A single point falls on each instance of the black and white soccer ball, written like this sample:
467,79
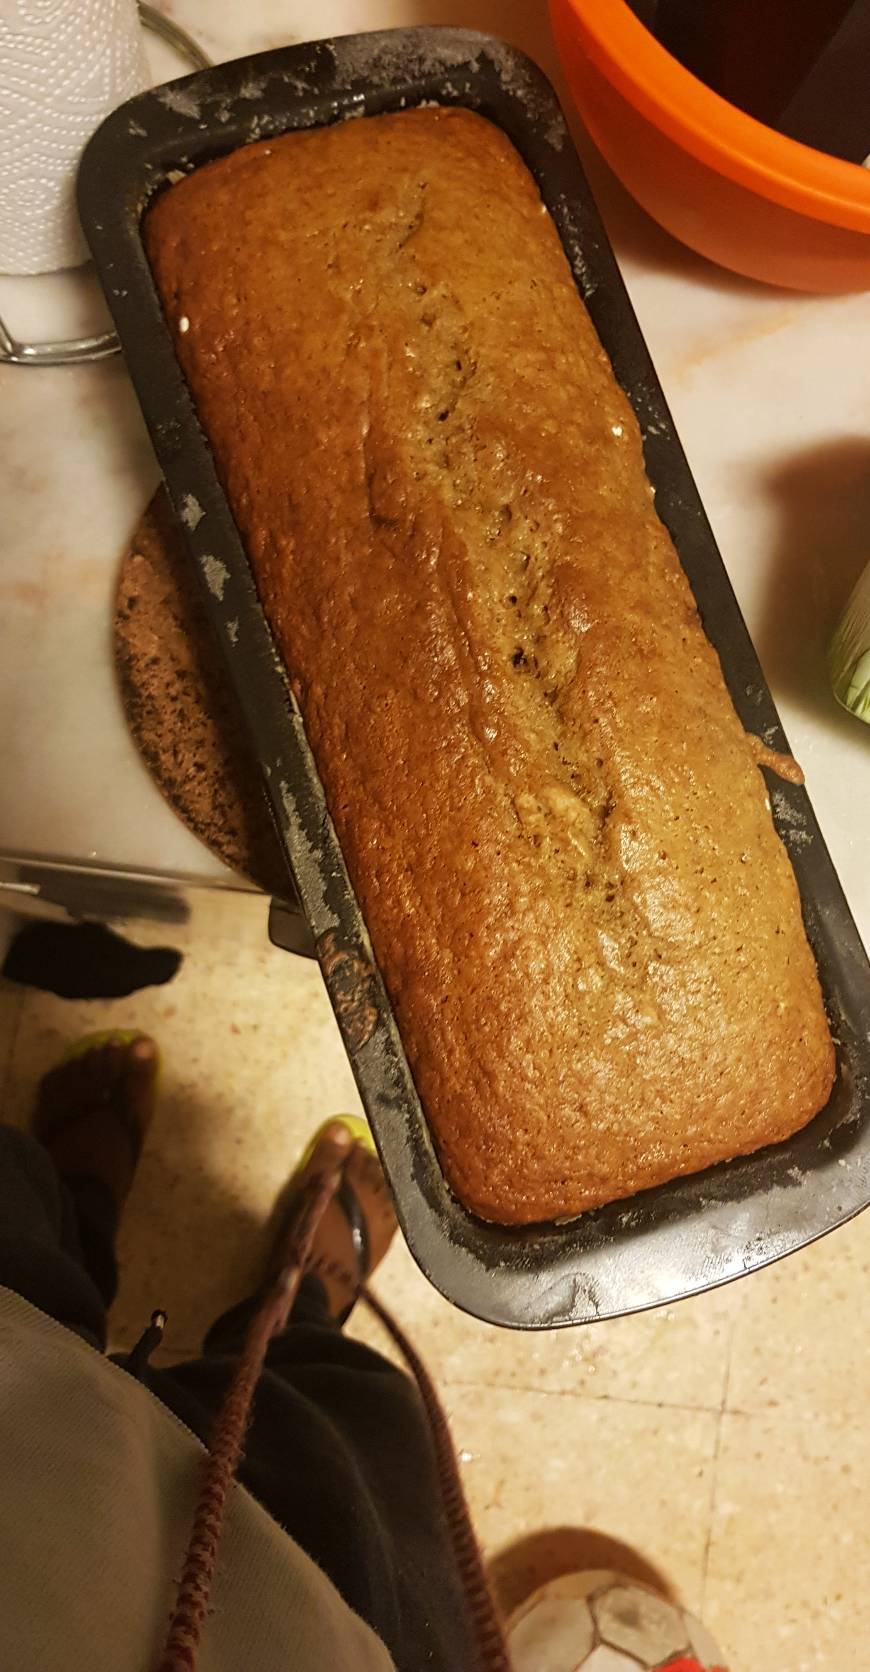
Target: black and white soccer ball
603,1622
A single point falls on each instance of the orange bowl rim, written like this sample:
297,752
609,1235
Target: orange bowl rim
711,129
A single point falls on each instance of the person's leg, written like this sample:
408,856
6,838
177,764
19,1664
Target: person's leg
40,1253
339,1450
61,1189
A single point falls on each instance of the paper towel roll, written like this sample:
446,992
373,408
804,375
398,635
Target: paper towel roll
64,64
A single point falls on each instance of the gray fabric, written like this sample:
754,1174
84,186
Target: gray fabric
338,1450
99,1484
41,1254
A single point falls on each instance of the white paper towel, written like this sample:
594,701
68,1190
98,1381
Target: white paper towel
64,64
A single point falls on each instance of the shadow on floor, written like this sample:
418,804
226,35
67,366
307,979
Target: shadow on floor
188,1243
85,961
822,498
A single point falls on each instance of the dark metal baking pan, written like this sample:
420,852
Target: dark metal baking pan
664,1243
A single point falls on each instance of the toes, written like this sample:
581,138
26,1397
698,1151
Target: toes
101,1075
143,1051
365,1171
331,1149
137,1062
106,1074
103,1070
336,1133
138,1078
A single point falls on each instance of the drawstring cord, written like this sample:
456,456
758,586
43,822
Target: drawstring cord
227,1442
492,1652
222,1460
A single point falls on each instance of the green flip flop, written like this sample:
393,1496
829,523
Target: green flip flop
45,1128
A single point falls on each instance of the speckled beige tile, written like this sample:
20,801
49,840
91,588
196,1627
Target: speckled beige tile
252,1062
537,1464
786,1583
676,1355
799,1335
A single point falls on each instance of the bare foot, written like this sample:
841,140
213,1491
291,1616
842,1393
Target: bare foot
92,1112
334,1259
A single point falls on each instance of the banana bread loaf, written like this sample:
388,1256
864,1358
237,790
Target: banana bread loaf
554,823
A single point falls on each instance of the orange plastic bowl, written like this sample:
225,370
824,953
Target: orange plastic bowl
725,184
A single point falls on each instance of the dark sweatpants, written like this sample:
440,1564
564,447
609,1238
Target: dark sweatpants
338,1450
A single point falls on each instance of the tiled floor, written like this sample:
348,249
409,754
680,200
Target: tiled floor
720,1445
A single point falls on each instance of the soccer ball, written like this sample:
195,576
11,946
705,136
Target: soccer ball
603,1622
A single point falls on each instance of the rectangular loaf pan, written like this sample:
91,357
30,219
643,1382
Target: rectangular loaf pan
664,1243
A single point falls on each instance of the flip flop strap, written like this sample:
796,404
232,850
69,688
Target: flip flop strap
359,1236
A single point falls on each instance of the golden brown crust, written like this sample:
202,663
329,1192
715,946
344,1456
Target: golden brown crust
589,930
785,766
